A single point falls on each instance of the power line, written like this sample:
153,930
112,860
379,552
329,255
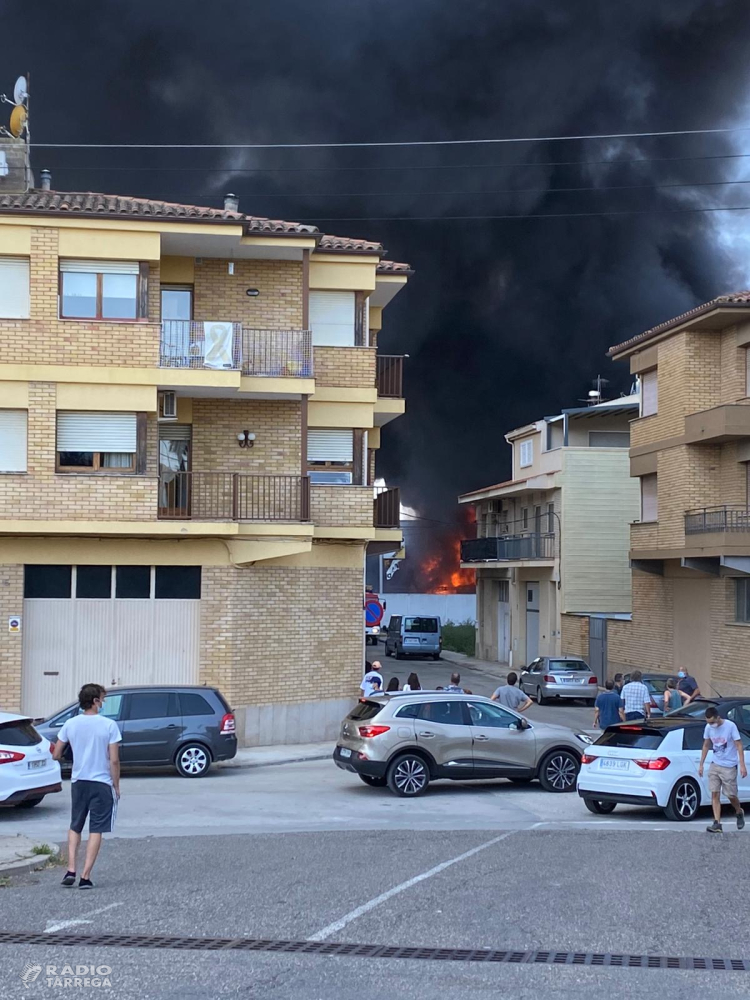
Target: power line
370,145
536,215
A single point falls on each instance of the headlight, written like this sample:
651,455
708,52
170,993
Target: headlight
375,628
584,738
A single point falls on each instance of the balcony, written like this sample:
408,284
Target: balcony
387,509
720,519
194,344
528,545
233,496
730,422
389,377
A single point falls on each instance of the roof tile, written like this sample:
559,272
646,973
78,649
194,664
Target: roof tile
730,299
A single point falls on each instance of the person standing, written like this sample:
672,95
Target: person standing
392,685
510,696
373,673
455,685
618,683
95,782
636,700
412,683
723,737
673,698
608,707
688,685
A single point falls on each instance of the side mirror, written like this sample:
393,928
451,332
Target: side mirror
521,725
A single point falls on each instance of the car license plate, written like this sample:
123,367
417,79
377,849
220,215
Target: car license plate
344,752
572,680
614,765
411,642
33,764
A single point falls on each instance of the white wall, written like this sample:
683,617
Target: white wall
455,608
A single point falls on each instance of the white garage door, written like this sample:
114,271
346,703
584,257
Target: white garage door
112,642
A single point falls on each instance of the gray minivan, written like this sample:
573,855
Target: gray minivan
185,727
414,635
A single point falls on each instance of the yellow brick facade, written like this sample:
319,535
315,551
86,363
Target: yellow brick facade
277,425
341,505
345,366
220,295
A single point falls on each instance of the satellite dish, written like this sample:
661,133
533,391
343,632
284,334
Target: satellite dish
18,118
20,93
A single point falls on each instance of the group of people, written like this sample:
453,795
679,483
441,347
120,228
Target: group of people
372,682
631,702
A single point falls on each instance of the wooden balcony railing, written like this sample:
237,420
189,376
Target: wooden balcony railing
233,496
390,375
387,509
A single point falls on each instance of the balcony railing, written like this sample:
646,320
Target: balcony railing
516,547
387,509
390,375
229,346
719,518
233,496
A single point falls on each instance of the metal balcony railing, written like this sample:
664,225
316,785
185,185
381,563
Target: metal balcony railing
719,518
387,509
233,496
519,542
277,353
390,375
187,343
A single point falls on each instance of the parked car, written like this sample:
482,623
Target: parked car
657,685
654,764
414,635
407,739
27,770
187,727
372,634
737,709
559,677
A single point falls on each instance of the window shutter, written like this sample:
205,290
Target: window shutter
330,446
649,498
649,393
101,266
332,316
13,440
14,287
175,432
90,431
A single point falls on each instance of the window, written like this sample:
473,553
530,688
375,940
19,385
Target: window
492,716
550,518
609,439
526,453
91,289
503,590
19,734
112,706
47,581
133,581
176,302
632,737
13,436
91,441
194,704
177,583
692,738
649,498
332,318
649,393
742,599
14,287
525,517
365,710
420,624
94,581
330,456
151,705
740,716
444,713
408,712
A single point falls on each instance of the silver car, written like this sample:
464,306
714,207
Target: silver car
559,677
407,739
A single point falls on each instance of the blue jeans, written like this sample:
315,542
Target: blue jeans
633,716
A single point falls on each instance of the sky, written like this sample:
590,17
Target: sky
506,319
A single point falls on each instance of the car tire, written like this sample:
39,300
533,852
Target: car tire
436,656
193,760
540,699
599,808
684,801
373,781
558,771
29,803
408,776
387,651
399,654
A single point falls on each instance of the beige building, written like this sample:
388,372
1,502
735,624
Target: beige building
190,408
552,543
690,454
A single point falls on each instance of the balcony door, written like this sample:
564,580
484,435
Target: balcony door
174,469
176,314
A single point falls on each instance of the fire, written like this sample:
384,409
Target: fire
442,573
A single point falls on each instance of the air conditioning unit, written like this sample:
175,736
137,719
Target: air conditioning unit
167,406
495,507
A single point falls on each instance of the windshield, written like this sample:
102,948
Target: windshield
420,625
656,685
564,666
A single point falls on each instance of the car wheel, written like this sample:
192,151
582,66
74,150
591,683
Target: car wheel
540,699
558,771
387,651
193,760
436,656
373,781
408,776
684,801
399,655
599,808
29,803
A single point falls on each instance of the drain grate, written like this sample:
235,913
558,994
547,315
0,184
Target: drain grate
577,958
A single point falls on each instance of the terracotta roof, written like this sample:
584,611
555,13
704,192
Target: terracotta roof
393,267
350,243
729,301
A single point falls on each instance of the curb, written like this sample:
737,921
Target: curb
25,865
275,763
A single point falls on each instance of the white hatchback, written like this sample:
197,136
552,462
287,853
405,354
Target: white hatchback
27,770
652,763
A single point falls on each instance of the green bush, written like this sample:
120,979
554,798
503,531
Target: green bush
461,638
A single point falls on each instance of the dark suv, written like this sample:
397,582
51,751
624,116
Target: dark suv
186,727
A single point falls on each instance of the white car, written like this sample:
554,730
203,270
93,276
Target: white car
372,634
27,770
652,763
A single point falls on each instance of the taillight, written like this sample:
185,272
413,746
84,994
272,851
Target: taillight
367,732
10,756
549,679
654,765
588,758
593,680
52,748
227,725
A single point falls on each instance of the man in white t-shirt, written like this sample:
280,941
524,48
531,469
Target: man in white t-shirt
723,737
95,782
372,674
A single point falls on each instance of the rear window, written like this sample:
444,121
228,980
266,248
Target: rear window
19,734
656,685
635,739
366,710
420,625
194,704
562,666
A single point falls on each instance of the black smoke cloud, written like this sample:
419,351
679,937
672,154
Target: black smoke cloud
505,320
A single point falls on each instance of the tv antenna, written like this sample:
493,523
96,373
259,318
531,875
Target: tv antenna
595,395
18,125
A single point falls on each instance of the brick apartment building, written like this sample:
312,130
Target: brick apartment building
690,450
190,408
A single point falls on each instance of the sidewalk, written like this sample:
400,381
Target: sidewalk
283,753
491,667
17,854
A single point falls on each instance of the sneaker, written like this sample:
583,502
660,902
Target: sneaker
85,883
713,828
70,878
740,820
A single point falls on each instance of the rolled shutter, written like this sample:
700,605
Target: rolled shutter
330,446
649,498
101,266
13,440
14,287
114,432
332,318
649,393
175,432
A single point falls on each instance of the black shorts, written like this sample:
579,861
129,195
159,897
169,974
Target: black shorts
95,799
